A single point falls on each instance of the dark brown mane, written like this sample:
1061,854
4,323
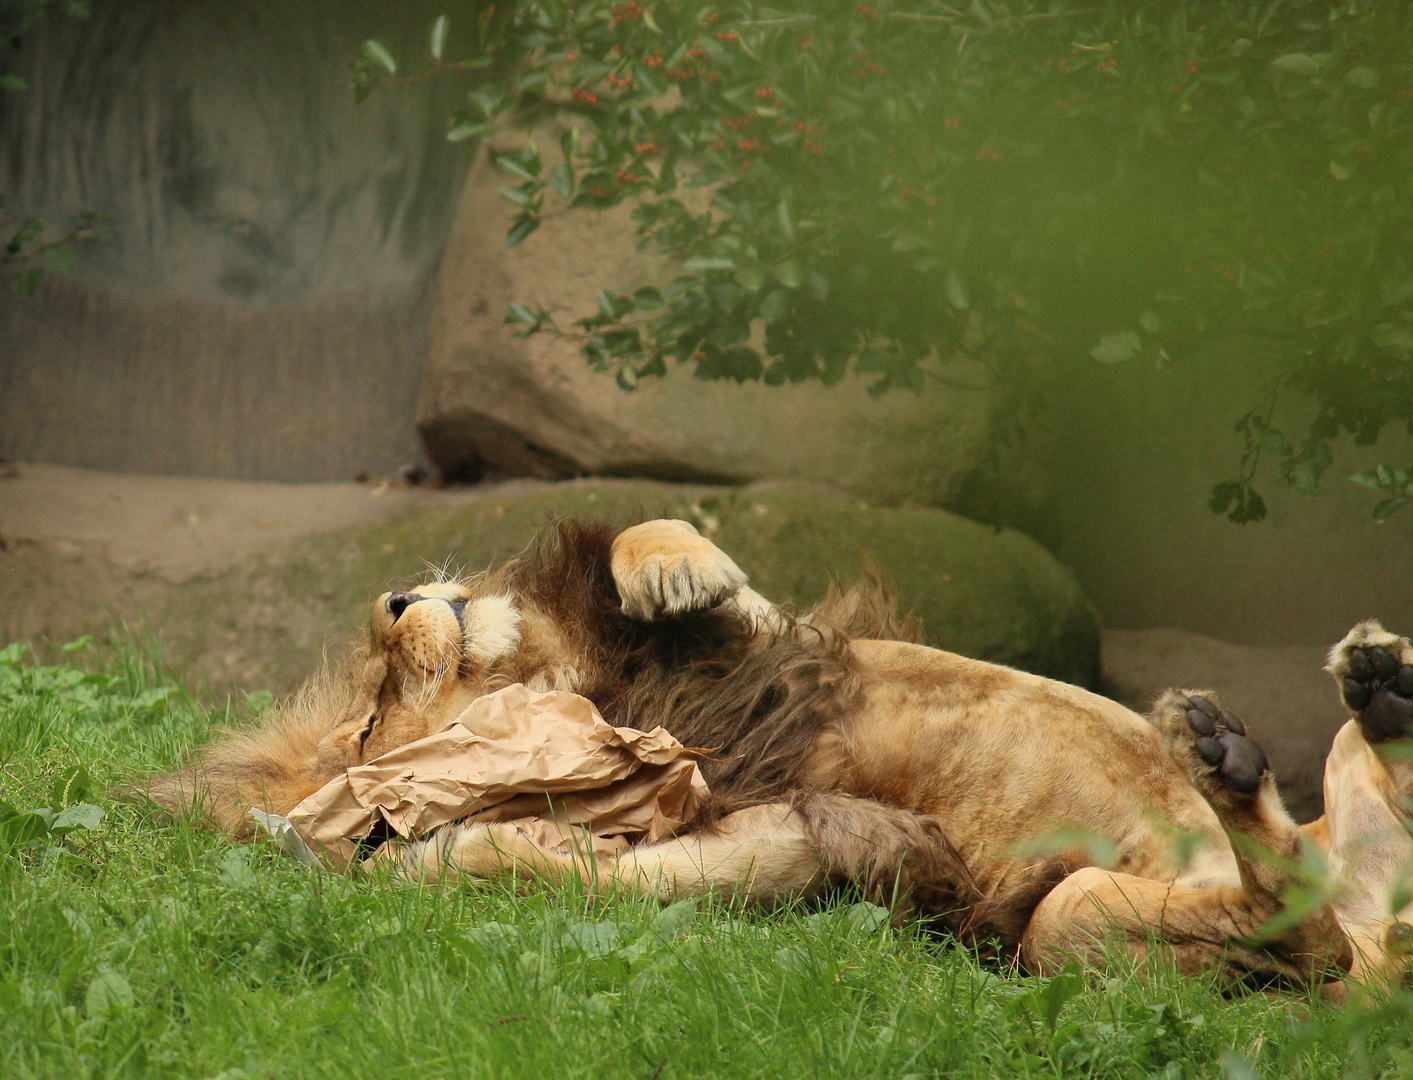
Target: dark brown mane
756,701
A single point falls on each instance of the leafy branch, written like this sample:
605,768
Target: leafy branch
883,189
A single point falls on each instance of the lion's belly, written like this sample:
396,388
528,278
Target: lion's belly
1012,762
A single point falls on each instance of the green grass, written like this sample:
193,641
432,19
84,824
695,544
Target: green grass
144,948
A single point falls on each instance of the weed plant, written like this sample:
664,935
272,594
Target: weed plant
131,945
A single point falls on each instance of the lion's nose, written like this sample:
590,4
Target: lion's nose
399,602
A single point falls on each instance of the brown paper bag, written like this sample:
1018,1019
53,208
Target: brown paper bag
547,762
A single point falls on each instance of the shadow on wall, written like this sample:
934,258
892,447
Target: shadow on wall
1138,454
263,309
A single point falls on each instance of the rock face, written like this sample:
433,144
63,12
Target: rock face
495,404
262,308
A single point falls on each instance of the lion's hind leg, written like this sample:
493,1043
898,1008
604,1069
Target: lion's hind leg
1233,929
1229,770
1368,822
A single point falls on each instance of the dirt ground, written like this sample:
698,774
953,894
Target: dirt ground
78,547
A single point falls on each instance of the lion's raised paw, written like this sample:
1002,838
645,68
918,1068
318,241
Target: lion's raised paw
1210,744
1374,670
667,568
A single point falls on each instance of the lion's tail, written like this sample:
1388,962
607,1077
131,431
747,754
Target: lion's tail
907,862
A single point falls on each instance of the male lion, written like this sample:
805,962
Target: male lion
840,753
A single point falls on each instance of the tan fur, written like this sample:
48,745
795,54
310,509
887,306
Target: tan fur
971,792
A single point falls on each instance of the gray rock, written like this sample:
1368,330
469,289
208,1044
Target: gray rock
262,308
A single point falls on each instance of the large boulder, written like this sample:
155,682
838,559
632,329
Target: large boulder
994,594
244,589
493,403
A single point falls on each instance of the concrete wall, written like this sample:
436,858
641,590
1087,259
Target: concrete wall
263,309
1140,450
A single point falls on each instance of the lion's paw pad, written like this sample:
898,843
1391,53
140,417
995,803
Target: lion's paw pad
1379,691
1211,742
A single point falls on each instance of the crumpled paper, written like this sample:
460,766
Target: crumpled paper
546,762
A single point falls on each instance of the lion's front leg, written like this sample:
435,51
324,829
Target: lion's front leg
761,854
483,852
666,567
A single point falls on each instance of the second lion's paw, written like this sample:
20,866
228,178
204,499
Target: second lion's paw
1374,670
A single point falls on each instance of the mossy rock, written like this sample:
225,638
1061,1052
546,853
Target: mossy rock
993,594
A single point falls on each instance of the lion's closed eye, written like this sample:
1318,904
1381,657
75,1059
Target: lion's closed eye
367,730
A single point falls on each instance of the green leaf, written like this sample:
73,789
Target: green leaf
788,273
78,644
1388,508
1150,321
465,129
1236,1067
561,179
569,144
108,994
867,918
1050,999
523,226
27,281
698,263
438,38
488,99
786,219
235,870
379,53
23,827
627,377
773,305
517,195
955,292
673,921
613,305
751,277
512,164
1339,170
1117,348
648,299
519,314
81,816
1296,64
905,241
1363,77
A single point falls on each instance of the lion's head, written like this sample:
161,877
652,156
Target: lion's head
434,649
554,619
430,651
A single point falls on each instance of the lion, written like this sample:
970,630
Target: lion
1019,811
